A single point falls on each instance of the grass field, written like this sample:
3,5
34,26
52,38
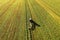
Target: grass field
55,4
15,14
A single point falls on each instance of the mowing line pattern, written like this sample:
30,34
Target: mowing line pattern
14,20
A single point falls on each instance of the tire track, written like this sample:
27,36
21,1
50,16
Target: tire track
34,17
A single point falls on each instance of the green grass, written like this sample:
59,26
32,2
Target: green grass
14,21
47,24
54,4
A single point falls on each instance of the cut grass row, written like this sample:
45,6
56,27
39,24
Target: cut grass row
47,22
54,4
15,30
14,23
